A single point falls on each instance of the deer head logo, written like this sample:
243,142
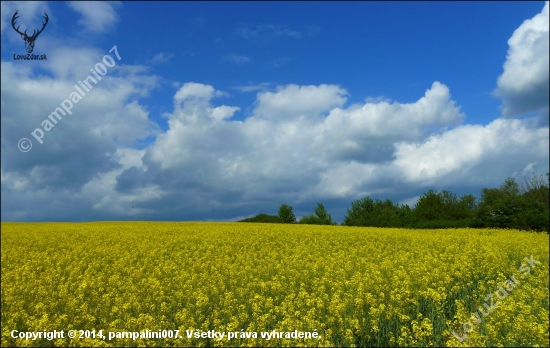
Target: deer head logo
29,40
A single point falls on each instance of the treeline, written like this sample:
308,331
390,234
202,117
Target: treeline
515,206
286,216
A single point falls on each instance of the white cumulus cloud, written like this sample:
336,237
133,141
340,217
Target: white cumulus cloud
524,84
293,100
97,16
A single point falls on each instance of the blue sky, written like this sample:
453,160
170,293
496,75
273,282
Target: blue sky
219,111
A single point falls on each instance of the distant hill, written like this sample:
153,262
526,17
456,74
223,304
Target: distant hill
262,218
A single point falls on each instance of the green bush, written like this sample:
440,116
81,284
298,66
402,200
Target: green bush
262,218
310,220
321,217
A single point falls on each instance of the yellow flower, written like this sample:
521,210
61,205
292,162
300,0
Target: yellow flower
348,285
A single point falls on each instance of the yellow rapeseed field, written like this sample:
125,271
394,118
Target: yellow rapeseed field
346,285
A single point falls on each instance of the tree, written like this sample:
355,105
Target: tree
512,206
488,212
429,207
510,187
406,217
444,210
536,195
322,215
532,215
286,216
359,213
468,203
366,212
536,187
385,214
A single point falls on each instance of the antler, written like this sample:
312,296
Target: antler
43,25
34,33
13,19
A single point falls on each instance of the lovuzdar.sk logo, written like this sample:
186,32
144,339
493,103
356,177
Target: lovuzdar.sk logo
29,40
